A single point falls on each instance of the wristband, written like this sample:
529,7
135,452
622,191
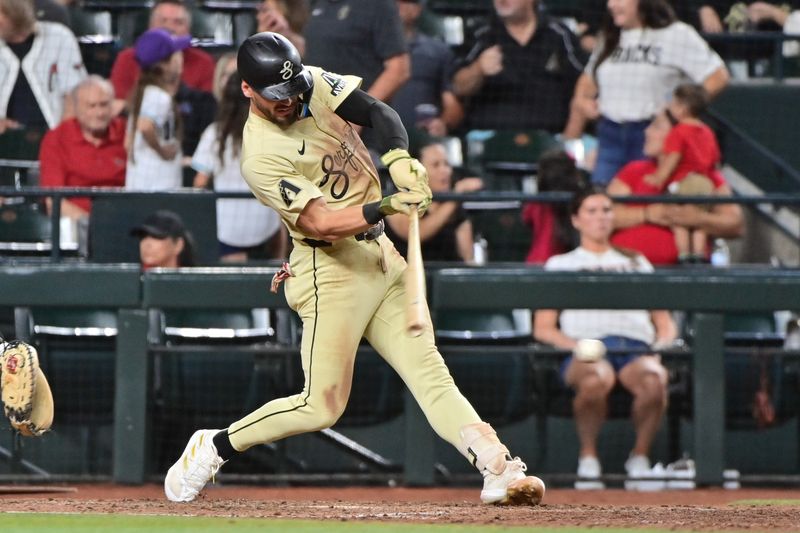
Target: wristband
372,213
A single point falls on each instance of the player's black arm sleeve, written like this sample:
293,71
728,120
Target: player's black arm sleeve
364,110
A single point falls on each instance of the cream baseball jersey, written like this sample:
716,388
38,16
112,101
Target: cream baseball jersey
317,156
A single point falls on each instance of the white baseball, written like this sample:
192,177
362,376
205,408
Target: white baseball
589,350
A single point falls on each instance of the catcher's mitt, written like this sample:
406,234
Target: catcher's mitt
26,395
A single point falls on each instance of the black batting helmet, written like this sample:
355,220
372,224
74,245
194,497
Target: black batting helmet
271,65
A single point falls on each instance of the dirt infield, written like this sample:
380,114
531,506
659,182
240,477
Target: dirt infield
698,510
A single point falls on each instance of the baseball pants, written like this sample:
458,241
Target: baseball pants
344,292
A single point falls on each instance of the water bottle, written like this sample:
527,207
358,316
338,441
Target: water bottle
721,254
480,250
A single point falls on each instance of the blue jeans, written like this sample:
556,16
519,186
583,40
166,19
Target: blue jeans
618,144
614,343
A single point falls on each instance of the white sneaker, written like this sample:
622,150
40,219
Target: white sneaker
589,472
680,474
198,464
643,478
512,486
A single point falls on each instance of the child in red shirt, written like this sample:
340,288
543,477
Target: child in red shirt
690,155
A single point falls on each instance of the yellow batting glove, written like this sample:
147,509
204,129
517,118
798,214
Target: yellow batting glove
406,172
402,202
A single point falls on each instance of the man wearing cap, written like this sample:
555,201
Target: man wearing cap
87,150
164,241
301,156
173,16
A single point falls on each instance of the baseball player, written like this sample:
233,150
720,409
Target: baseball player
301,156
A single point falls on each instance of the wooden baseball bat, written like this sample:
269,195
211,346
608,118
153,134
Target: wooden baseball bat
416,299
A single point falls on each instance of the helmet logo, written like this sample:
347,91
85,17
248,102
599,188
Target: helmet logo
286,71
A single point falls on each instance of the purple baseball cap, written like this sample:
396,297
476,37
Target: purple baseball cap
157,45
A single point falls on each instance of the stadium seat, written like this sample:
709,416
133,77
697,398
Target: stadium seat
99,53
211,367
113,217
238,326
508,238
21,144
77,352
479,375
24,228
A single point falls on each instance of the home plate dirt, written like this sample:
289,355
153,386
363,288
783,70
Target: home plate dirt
697,510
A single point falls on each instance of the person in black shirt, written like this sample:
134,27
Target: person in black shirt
445,231
521,71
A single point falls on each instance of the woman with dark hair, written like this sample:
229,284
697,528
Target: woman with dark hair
245,228
643,54
445,230
634,331
647,227
551,228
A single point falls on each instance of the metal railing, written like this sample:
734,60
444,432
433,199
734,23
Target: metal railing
508,199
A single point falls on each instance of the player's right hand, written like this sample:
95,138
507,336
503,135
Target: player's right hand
402,202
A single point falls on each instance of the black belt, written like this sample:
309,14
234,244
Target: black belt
370,235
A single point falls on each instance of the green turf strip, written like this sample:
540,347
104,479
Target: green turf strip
94,523
768,503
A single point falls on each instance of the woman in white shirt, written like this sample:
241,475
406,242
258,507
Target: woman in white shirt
244,226
643,54
636,330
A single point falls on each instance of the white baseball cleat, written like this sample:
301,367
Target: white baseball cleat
512,486
196,467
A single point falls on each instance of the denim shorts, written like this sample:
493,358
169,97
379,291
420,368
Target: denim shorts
614,343
618,145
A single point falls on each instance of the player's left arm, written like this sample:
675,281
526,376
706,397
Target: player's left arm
407,173
365,110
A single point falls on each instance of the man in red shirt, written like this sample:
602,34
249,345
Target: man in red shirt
85,151
198,66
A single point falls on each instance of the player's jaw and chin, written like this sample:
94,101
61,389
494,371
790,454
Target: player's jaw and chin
280,112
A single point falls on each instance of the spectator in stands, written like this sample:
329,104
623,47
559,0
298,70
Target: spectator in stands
783,17
361,37
644,53
646,228
426,102
286,17
87,150
718,16
551,225
173,16
636,330
521,71
40,63
153,140
164,241
245,228
690,154
444,230
583,17
51,11
226,66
